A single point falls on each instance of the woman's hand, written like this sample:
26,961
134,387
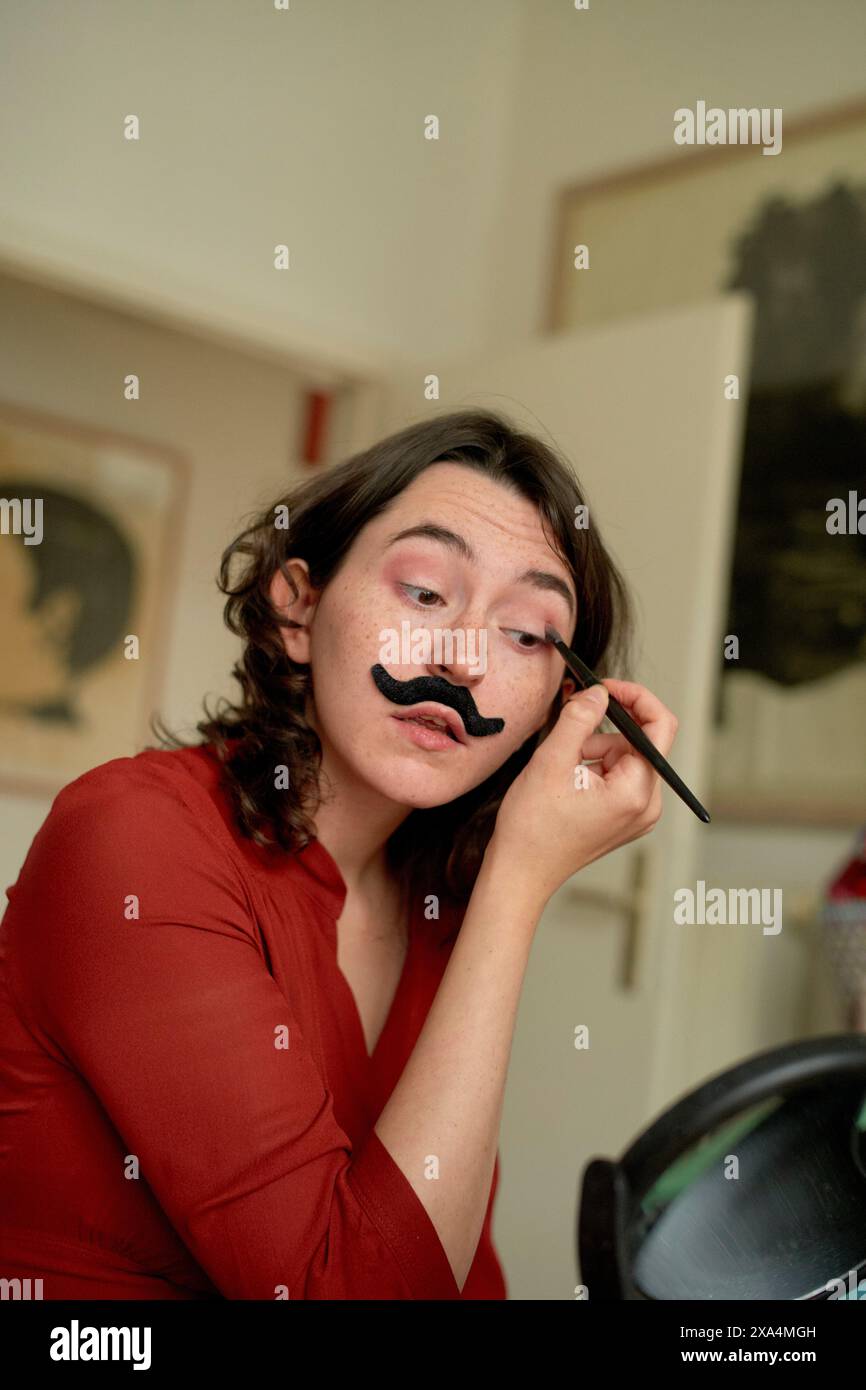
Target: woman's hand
555,822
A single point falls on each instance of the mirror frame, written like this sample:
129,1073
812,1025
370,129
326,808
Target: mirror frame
612,1190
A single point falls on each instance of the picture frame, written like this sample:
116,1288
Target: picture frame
660,232
87,604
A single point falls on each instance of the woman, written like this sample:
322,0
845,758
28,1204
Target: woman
259,993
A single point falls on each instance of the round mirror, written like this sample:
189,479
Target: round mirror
771,1204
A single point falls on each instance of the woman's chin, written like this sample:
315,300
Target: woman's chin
405,781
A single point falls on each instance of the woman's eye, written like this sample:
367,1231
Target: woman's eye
430,593
515,631
535,641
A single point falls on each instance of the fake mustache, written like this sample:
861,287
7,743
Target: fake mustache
421,688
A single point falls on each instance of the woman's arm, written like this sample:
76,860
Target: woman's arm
447,1105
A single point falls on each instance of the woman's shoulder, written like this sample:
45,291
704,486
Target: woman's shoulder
165,800
178,783
145,825
155,771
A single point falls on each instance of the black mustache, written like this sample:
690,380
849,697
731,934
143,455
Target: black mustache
456,697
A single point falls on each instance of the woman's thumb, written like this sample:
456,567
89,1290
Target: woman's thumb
586,709
595,698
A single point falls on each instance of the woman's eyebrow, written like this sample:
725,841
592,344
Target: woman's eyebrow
432,531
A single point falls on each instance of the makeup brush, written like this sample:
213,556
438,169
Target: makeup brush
626,725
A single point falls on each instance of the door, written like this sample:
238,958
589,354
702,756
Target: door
640,410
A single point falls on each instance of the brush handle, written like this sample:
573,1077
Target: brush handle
638,739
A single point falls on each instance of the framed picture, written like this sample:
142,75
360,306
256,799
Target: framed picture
790,737
89,547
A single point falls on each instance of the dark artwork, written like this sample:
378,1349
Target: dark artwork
79,584
798,593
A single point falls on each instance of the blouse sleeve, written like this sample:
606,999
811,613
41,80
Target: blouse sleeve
136,952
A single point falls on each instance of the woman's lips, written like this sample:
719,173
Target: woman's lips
423,736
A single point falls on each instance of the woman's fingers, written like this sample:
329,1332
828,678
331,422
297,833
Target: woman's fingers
606,749
621,764
618,763
655,719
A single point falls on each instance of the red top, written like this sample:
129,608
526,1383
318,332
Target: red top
186,1098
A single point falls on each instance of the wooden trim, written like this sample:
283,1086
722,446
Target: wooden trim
773,810
313,355
667,166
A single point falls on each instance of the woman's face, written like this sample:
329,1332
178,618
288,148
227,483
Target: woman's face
474,585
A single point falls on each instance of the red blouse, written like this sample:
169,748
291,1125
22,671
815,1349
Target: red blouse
186,1098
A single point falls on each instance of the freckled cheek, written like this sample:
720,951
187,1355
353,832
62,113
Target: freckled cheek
350,642
361,601
518,701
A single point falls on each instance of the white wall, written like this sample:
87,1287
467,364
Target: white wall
305,126
260,127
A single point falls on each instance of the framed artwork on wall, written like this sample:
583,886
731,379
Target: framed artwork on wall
790,230
89,547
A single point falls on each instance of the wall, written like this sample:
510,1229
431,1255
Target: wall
260,127
305,127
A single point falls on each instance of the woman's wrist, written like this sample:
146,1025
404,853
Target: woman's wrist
507,878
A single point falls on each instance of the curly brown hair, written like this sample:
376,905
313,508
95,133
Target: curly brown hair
437,849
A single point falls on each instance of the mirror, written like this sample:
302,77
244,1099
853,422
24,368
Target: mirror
770,1204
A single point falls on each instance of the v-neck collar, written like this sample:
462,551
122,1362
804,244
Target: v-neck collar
370,1058
322,878
324,881
315,872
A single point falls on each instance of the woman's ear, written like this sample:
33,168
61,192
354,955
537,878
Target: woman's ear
299,607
